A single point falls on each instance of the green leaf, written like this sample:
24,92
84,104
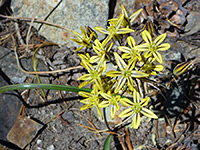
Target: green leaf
43,86
107,142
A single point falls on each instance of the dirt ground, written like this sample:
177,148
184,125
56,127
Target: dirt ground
59,112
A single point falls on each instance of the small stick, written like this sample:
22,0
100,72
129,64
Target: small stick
43,72
35,21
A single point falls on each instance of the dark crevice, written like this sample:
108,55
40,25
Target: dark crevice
111,9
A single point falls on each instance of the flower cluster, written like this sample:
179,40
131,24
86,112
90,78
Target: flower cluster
115,71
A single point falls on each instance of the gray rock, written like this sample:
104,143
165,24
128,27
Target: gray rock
193,23
70,14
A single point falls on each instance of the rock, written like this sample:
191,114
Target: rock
193,23
23,131
69,14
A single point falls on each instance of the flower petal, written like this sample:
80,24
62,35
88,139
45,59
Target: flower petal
160,39
84,94
142,47
99,112
145,101
124,49
126,113
85,83
104,104
86,107
123,10
120,84
106,96
120,62
113,111
135,14
146,36
85,77
125,31
181,68
138,74
158,68
136,96
136,121
94,59
131,41
158,57
126,102
148,113
163,47
102,30
113,73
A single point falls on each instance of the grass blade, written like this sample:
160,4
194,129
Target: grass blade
43,86
107,142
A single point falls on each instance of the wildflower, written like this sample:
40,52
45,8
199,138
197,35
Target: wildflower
91,100
111,100
126,20
102,52
126,73
83,39
136,107
150,68
131,52
152,47
94,73
114,31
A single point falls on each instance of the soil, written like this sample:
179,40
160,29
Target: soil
178,126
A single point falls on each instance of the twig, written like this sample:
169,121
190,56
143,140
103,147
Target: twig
56,116
50,13
35,21
43,72
32,20
18,33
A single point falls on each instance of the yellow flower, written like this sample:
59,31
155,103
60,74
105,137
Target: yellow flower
94,73
126,73
152,47
126,20
136,107
114,31
111,100
151,68
84,39
131,52
102,52
92,100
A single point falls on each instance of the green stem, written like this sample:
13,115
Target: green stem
105,119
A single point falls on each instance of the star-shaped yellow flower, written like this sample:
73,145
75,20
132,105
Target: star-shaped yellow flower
152,47
136,108
126,73
112,100
91,100
84,39
114,31
131,52
94,73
